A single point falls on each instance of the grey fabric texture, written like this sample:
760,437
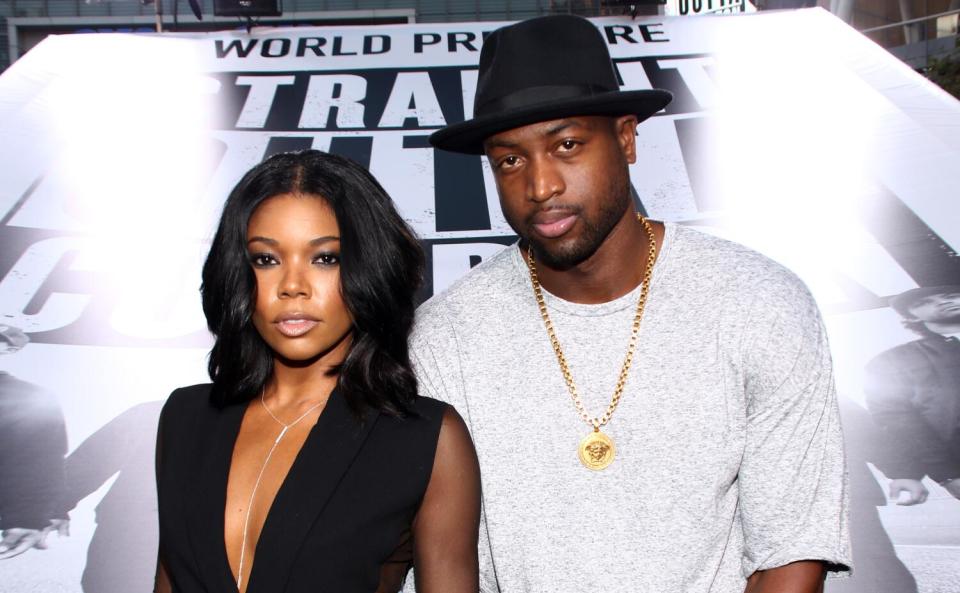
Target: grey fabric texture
729,452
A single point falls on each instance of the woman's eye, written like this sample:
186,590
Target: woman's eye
261,260
328,259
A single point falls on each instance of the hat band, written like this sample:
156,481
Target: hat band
539,94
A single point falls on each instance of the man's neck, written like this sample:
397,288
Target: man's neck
944,329
614,270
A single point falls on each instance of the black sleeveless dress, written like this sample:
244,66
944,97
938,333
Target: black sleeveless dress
340,515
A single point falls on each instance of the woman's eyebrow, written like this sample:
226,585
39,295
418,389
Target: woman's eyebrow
274,242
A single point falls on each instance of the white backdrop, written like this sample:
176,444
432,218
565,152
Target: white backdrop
790,133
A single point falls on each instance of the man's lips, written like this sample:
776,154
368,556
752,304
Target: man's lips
295,324
552,224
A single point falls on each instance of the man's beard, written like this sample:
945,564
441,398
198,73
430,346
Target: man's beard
568,255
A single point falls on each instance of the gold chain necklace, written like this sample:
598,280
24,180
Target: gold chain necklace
596,450
266,461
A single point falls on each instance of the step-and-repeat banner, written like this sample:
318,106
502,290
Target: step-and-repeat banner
790,133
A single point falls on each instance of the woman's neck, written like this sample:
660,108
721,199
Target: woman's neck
298,383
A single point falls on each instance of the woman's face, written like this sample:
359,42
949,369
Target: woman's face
293,243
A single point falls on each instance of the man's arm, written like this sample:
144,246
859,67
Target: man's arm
161,583
435,352
448,521
792,479
805,576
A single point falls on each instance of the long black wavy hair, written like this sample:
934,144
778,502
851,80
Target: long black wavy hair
381,268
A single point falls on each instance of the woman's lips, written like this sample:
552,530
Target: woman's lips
295,326
552,227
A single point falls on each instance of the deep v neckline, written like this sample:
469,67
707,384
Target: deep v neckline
225,557
330,449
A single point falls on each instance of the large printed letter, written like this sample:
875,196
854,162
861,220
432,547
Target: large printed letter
412,96
693,71
260,98
343,92
26,277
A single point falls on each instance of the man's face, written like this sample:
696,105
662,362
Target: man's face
563,183
937,308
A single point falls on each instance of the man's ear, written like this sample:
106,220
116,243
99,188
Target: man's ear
625,128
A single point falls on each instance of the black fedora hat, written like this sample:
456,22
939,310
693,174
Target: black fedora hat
541,69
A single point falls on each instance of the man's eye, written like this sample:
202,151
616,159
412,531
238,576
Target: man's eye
328,259
509,162
569,144
261,260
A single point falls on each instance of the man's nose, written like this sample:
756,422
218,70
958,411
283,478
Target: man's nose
545,181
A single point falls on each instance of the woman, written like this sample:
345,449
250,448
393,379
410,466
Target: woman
310,463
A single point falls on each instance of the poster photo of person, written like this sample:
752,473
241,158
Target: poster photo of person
913,394
105,460
33,442
898,368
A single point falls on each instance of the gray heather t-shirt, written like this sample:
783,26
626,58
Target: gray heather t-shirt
729,455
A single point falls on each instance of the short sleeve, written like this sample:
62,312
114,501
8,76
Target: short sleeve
447,522
793,483
435,351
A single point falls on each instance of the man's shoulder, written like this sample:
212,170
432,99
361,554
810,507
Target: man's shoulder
722,262
14,384
915,353
27,403
487,281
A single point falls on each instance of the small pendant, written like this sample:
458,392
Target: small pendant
596,451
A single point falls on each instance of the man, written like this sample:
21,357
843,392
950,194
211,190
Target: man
913,393
33,441
693,373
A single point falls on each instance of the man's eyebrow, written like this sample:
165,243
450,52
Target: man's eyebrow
561,126
494,143
556,129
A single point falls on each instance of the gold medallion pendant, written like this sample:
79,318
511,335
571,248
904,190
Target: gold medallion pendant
596,451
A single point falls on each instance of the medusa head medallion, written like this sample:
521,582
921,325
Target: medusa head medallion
596,451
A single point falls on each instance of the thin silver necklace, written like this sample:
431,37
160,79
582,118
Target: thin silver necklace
283,432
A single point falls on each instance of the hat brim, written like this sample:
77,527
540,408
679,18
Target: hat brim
468,137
